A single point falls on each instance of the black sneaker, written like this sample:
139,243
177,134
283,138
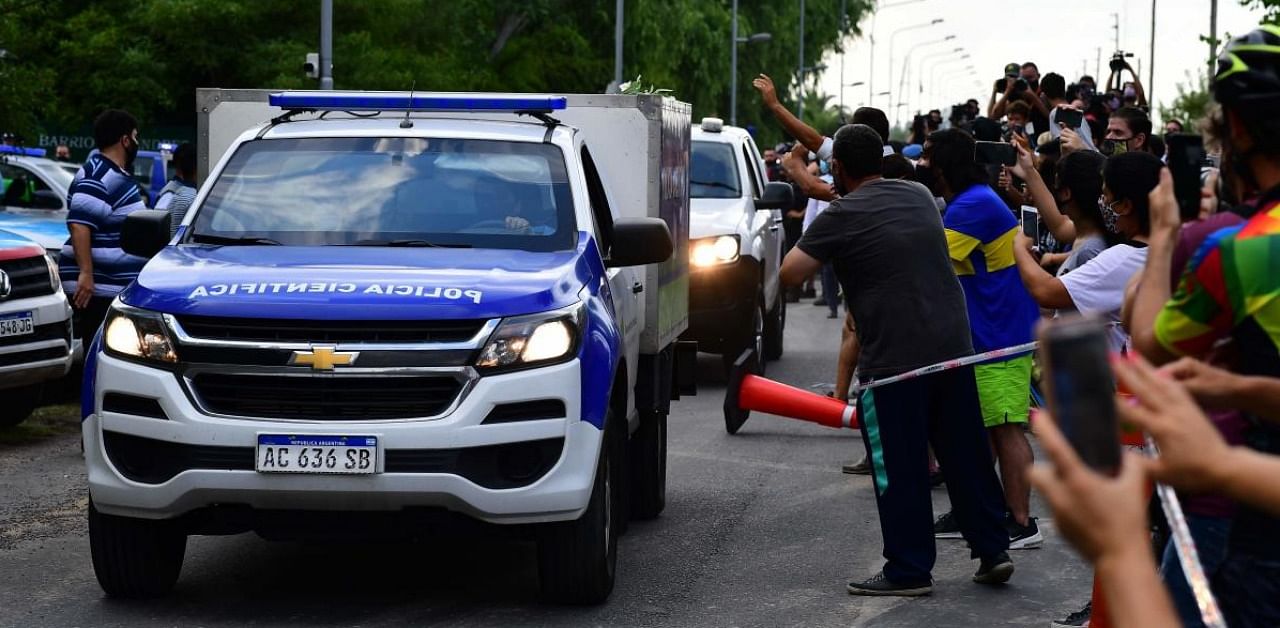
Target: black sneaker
995,570
880,585
1077,619
1024,537
946,527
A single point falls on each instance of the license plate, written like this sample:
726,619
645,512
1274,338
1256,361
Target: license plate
279,453
17,324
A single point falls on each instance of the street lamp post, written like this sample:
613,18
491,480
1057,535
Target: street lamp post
906,91
933,75
871,38
906,63
800,69
733,62
842,86
904,29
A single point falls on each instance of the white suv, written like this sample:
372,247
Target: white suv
735,245
35,326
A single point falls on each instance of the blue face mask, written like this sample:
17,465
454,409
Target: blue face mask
824,167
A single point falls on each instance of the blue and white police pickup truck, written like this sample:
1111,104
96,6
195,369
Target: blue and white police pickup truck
35,326
384,307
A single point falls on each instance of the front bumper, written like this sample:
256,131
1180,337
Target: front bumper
560,493
45,355
720,302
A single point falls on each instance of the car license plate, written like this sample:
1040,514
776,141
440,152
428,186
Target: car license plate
17,324
279,453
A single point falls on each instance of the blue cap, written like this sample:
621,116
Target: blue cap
418,101
912,151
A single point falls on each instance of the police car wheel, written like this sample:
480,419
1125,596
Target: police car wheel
135,558
774,324
577,559
649,466
19,403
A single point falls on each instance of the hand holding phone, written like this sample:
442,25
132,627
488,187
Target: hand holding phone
1071,118
995,153
1031,222
1082,389
1185,157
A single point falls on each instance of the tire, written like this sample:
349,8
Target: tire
774,324
750,337
577,560
18,404
135,558
648,458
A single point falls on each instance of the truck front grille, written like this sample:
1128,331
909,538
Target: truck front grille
326,397
323,331
28,277
50,331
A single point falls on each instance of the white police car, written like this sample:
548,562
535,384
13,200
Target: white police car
35,326
371,319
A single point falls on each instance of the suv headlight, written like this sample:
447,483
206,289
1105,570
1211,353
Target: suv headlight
138,335
705,252
54,280
533,340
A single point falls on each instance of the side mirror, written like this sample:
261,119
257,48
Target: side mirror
145,232
639,241
777,195
46,199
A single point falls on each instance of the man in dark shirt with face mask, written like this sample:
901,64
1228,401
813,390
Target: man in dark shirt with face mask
886,240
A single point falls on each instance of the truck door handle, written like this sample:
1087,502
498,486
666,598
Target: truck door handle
637,288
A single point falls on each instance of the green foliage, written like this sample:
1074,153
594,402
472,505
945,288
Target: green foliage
68,60
1192,101
1272,7
821,114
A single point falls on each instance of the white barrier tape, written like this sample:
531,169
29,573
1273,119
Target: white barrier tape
1188,557
988,356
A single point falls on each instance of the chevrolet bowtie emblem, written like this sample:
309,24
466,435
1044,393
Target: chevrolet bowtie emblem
323,358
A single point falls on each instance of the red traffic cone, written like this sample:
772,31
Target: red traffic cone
747,391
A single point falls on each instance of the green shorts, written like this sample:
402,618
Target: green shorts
1004,390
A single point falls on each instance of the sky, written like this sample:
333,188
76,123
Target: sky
1063,36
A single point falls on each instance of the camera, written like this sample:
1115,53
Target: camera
1019,85
1117,62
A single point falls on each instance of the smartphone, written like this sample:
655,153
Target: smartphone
1073,118
995,153
1031,223
1185,157
1082,389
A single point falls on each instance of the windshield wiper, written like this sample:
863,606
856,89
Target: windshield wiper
408,243
714,184
216,239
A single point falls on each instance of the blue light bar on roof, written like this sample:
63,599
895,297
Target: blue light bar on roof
18,150
402,101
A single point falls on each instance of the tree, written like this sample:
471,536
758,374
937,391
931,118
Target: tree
820,113
1272,7
1192,101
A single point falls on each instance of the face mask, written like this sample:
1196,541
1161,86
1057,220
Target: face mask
1109,215
1113,104
1113,147
1130,92
824,167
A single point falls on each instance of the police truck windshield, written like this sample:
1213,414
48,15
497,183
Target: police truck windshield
394,191
713,171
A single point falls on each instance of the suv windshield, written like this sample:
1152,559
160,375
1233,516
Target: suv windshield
393,191
713,171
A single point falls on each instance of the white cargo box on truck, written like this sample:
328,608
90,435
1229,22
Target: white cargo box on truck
639,142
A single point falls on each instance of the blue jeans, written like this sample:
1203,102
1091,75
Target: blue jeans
1210,535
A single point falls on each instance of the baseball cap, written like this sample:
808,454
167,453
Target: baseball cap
1012,70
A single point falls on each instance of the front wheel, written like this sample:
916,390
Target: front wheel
774,324
18,404
135,558
751,337
577,560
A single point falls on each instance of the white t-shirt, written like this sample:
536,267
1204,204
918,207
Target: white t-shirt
1097,287
814,207
828,144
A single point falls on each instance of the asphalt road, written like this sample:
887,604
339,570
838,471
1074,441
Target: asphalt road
761,529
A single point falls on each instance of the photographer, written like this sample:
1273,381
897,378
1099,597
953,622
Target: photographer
1131,90
1021,83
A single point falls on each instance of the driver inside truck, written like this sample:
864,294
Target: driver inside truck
527,211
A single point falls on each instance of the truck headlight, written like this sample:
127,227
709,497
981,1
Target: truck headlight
705,252
138,334
535,339
54,280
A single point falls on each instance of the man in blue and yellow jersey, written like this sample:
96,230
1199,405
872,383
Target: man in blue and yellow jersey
980,231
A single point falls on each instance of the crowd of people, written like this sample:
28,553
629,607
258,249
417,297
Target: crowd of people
939,252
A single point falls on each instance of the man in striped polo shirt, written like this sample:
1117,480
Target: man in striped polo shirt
93,267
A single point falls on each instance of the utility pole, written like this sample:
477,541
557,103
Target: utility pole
618,24
1151,62
1213,38
1097,69
800,69
842,53
326,44
1116,27
733,67
871,72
